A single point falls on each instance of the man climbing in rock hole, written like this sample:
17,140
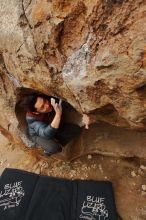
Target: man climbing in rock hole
43,116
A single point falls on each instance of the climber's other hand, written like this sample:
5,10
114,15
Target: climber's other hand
86,121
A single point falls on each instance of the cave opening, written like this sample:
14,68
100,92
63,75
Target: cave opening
101,137
69,113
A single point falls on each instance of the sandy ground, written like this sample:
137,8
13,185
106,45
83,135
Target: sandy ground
127,175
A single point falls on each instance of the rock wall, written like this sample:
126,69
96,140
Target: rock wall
90,53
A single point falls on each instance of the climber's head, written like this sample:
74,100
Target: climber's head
43,105
38,103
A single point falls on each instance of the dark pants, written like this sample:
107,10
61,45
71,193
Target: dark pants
65,134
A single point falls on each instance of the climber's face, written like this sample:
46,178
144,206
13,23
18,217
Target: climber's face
42,105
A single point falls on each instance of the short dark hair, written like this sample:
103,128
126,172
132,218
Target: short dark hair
28,102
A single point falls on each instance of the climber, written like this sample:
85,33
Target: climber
45,128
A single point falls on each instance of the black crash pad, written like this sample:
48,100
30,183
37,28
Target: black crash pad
28,196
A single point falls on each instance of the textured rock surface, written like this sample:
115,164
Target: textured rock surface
93,55
128,176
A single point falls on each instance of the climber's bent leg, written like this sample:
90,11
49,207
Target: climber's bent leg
50,146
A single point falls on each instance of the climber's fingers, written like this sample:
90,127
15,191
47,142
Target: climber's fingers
86,121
